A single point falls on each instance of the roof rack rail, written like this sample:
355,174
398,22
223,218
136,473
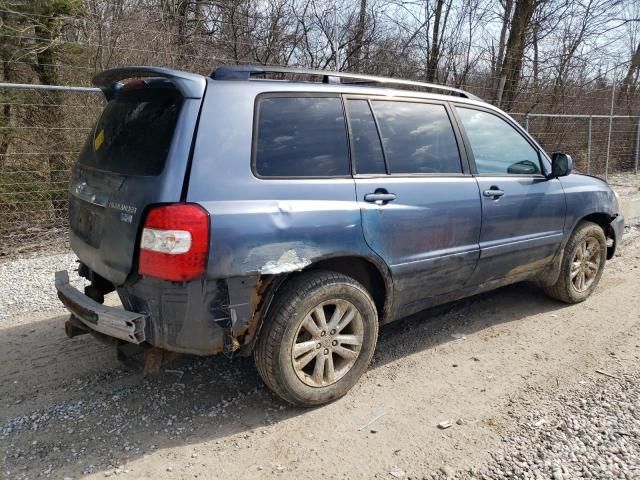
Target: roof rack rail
246,72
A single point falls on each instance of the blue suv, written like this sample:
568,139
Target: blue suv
288,213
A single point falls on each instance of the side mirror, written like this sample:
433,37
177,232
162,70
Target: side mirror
561,165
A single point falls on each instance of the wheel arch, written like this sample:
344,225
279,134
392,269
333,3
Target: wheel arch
371,273
550,275
604,221
375,278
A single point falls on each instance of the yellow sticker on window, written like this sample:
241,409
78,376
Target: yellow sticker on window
98,140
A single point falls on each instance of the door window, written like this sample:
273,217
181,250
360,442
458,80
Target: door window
417,137
301,137
498,149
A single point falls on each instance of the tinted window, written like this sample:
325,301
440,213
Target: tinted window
417,137
301,137
134,132
365,141
497,147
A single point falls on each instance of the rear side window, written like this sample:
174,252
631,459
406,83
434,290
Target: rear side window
134,132
367,151
301,137
417,137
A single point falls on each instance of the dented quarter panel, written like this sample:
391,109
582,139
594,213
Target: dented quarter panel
264,226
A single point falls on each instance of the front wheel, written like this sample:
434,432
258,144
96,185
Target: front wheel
317,339
582,264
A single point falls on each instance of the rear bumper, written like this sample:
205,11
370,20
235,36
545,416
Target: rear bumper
110,321
201,317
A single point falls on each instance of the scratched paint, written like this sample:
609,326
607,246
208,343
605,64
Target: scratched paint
289,261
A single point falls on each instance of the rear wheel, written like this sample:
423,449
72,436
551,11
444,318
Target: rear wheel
582,264
317,339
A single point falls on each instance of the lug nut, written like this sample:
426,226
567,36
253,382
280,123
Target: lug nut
333,332
323,333
334,343
326,351
319,345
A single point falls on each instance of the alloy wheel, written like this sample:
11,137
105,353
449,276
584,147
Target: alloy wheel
327,343
586,264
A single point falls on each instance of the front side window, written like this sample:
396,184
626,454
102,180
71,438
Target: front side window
417,137
301,137
498,149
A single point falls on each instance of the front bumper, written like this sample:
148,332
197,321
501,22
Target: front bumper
111,321
618,227
617,224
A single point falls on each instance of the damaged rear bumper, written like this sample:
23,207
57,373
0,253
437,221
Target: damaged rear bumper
201,317
110,321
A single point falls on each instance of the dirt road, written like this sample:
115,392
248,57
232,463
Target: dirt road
68,410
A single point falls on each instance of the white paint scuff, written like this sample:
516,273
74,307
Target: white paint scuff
289,261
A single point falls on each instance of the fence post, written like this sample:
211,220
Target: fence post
526,122
635,169
589,146
606,165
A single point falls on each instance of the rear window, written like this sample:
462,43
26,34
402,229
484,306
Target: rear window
301,137
134,132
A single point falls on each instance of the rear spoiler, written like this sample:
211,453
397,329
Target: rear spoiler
190,85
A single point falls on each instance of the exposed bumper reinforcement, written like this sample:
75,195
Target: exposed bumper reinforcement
111,321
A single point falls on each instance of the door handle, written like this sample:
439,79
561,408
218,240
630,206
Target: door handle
493,192
380,198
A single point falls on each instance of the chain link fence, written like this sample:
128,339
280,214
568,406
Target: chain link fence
38,145
600,145
49,125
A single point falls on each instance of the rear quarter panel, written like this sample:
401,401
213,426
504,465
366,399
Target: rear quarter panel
265,226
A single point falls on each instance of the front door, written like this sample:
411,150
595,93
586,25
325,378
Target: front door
420,209
523,212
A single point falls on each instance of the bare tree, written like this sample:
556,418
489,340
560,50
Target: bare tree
509,76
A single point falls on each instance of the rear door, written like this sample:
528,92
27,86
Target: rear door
420,206
523,212
135,156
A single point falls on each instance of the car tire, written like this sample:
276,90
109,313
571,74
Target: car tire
317,339
582,264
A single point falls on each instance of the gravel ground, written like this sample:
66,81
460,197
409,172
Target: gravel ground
512,371
625,184
27,285
591,432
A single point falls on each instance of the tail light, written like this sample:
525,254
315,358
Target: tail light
175,242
